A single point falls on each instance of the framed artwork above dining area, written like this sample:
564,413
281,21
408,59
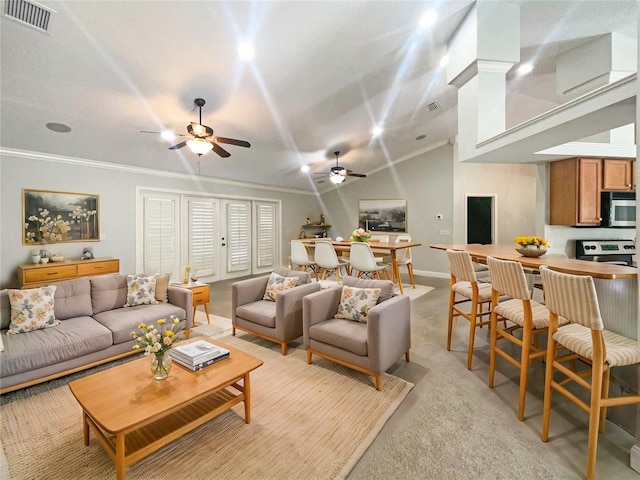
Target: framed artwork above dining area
383,215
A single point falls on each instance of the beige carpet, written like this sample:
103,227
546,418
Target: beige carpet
308,421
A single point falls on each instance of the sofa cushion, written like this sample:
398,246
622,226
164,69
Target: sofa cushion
386,286
108,292
73,298
162,288
32,309
276,284
303,277
344,334
262,312
141,290
71,339
355,303
123,321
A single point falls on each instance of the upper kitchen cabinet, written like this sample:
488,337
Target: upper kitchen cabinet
574,192
619,174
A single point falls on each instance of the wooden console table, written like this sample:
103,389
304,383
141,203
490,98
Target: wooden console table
37,275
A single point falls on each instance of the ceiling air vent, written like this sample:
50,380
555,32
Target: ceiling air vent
30,14
433,106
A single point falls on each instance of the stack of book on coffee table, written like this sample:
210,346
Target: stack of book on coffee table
197,355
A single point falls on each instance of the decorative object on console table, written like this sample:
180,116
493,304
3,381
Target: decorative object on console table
157,340
87,254
35,256
531,246
186,276
44,256
51,217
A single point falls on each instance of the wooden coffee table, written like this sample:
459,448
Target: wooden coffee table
133,415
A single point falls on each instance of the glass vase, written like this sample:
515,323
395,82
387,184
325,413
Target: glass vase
160,365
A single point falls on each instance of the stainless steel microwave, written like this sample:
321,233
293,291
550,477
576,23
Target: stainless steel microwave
618,209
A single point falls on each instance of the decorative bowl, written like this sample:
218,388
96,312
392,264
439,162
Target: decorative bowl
531,252
57,258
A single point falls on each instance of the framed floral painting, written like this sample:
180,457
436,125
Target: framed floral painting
57,217
383,215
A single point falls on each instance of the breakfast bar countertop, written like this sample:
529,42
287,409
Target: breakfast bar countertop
573,266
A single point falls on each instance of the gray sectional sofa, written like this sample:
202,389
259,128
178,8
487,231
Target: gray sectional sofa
94,329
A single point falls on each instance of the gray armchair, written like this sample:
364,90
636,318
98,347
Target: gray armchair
279,321
371,347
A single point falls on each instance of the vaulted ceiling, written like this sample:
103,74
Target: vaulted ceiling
325,74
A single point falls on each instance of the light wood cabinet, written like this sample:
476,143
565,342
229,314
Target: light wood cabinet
619,174
37,275
574,192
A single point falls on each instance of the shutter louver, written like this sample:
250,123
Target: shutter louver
265,218
238,232
159,235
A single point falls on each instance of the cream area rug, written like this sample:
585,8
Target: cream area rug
307,421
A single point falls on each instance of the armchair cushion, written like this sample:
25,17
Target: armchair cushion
262,312
386,286
344,334
355,303
276,284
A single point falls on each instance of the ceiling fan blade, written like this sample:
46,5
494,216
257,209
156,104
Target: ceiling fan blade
160,133
232,141
219,150
178,145
359,175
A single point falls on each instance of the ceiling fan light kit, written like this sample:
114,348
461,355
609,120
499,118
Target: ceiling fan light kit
337,178
339,174
199,146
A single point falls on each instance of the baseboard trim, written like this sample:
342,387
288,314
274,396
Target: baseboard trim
634,458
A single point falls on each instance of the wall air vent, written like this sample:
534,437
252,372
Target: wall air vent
433,106
29,13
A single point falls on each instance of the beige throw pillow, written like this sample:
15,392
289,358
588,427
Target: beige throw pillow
276,284
32,309
355,303
162,288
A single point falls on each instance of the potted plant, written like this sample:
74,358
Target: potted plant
35,256
44,256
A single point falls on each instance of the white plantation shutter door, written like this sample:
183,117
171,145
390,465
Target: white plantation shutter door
159,235
238,236
202,214
265,235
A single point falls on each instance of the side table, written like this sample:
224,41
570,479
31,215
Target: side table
200,293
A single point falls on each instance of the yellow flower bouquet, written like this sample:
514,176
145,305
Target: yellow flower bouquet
157,340
531,246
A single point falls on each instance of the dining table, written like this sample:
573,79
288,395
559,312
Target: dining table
386,248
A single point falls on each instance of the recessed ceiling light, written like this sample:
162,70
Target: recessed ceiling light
246,51
305,168
167,135
377,131
428,19
444,61
525,68
58,127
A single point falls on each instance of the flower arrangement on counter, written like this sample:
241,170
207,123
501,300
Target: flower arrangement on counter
48,229
532,241
360,235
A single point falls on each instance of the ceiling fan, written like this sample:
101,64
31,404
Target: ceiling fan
203,138
339,174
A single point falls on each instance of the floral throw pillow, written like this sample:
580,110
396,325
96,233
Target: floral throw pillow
276,284
355,303
32,309
141,290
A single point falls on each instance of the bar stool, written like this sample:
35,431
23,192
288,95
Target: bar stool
465,283
508,278
574,297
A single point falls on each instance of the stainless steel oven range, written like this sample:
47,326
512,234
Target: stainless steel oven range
620,252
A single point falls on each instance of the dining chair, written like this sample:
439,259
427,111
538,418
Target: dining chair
362,260
573,297
464,283
379,237
508,279
403,257
327,259
301,258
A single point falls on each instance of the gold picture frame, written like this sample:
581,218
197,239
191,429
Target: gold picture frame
59,217
383,215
